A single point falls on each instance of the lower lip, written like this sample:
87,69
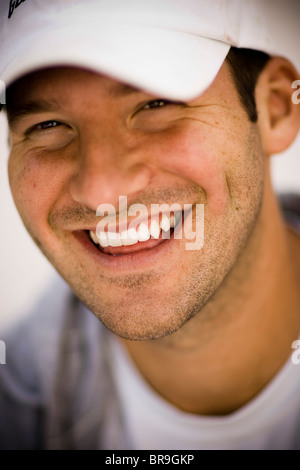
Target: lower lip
144,258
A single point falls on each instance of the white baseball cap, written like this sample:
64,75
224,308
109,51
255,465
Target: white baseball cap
170,48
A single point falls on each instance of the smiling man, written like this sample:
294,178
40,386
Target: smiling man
168,104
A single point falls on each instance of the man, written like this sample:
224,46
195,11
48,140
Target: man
148,102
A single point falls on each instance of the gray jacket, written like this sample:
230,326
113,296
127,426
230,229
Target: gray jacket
56,389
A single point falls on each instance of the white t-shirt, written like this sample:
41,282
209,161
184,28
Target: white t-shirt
271,421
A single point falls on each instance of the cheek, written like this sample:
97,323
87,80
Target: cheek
35,184
191,155
226,161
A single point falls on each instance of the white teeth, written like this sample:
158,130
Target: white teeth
165,223
133,236
124,237
103,240
154,229
114,239
94,237
128,238
143,233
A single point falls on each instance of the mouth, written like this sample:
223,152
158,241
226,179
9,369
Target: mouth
144,236
137,251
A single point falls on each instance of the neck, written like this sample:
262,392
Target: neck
216,366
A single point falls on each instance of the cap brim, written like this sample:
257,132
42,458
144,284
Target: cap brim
168,63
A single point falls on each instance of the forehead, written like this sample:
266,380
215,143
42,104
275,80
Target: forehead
64,81
60,79
62,88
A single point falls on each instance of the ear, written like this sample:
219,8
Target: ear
278,116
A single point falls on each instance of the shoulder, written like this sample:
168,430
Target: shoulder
56,366
31,346
32,340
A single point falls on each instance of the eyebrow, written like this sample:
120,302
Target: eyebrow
119,89
15,113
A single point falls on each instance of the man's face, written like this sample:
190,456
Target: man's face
80,140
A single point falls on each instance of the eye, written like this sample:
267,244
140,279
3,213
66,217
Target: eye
43,126
50,135
156,104
48,125
156,115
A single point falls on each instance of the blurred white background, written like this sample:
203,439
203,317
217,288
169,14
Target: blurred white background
25,273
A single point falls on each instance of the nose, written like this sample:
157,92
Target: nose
103,174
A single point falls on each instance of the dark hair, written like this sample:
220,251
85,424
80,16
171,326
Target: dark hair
245,66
